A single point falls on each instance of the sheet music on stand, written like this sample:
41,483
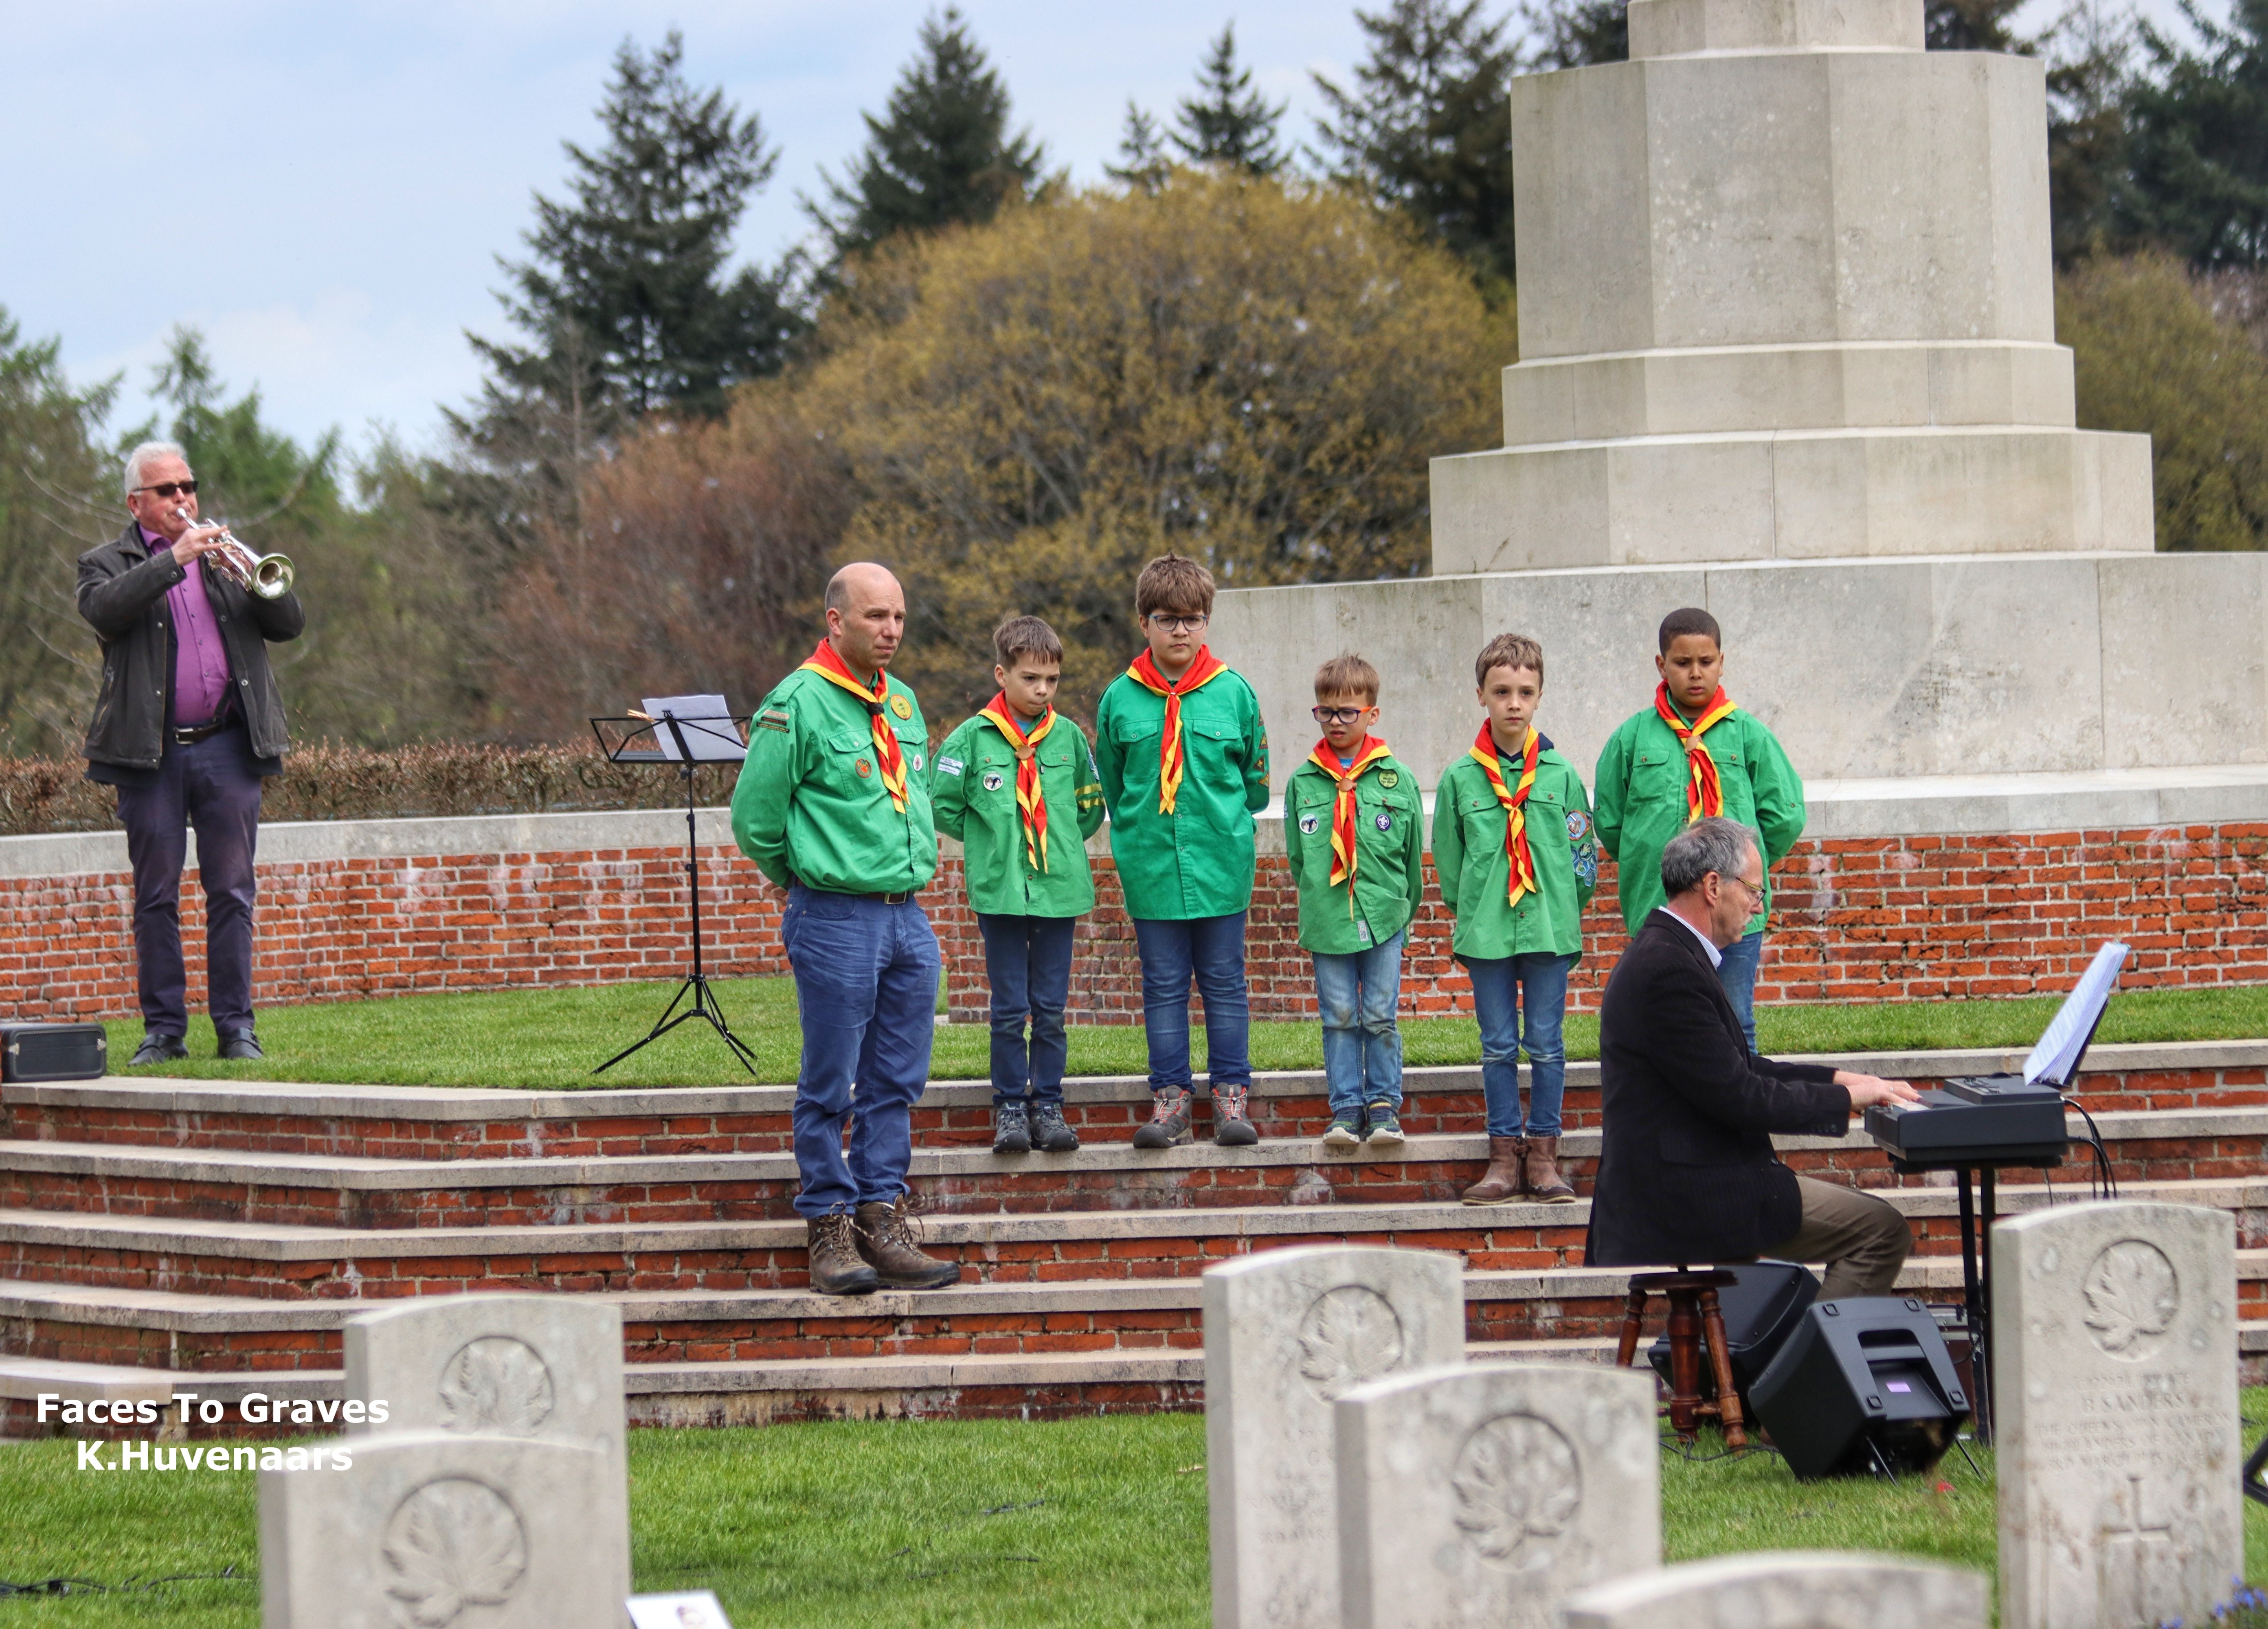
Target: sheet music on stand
2056,1057
705,731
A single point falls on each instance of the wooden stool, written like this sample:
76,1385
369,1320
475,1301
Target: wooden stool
1692,1297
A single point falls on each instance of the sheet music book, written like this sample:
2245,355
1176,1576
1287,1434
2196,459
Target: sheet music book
2058,1052
706,721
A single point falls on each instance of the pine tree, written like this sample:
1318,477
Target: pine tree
1576,34
942,155
2197,141
1228,122
1142,153
1971,26
1428,127
2090,72
628,276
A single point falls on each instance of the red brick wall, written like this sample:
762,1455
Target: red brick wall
1906,919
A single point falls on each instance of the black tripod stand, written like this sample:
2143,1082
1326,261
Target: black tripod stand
715,738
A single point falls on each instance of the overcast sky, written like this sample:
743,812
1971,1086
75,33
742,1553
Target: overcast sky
323,189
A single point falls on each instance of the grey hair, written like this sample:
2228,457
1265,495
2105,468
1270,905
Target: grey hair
148,453
1711,844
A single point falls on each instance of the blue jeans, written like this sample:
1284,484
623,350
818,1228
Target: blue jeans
1737,973
1028,963
866,990
1506,989
1210,951
1360,993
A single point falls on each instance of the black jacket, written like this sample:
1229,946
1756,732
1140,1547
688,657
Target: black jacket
1687,1174
121,593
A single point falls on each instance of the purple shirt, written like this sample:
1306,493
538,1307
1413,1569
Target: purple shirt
201,677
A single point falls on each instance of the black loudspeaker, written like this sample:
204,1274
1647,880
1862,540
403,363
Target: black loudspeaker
53,1052
1863,1384
1761,1311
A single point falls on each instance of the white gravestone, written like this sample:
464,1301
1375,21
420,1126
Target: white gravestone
441,1529
1286,1332
2114,1367
1785,1590
546,1366
1480,1498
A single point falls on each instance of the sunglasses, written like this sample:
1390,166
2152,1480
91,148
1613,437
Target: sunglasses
185,489
1336,715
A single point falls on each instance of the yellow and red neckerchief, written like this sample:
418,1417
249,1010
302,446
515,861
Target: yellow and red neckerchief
1029,800
1144,672
1514,800
1705,793
829,667
1326,758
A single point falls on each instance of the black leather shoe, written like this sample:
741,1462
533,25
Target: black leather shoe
159,1049
240,1046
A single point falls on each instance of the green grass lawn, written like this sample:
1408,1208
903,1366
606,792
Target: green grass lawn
555,1037
908,1526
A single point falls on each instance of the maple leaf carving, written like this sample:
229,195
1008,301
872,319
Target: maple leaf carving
1348,1336
496,1383
1517,1484
2132,1294
452,1544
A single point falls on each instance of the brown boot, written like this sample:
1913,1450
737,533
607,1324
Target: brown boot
887,1239
1500,1183
836,1268
1539,1173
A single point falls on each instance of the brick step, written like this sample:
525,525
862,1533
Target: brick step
332,1190
442,1122
289,1262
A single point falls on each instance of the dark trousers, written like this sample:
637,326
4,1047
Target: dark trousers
1208,951
214,786
1027,961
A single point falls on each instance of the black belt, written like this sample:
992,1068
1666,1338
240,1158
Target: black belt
888,899
190,736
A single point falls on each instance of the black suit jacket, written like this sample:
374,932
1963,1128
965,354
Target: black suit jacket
1687,1174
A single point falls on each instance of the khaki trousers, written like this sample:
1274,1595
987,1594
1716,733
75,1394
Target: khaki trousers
1863,1240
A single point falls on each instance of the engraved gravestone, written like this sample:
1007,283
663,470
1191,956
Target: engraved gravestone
547,1367
441,1529
2114,1361
1483,1496
1786,1589
1287,1332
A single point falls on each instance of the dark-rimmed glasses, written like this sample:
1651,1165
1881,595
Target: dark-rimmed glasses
1336,715
1177,624
169,489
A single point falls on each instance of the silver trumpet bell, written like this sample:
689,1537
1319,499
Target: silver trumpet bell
268,575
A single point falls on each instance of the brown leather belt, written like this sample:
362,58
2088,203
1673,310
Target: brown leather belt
202,732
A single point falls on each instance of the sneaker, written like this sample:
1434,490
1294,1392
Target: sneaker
1232,1127
1385,1125
1346,1129
1050,1134
1011,1133
1169,1120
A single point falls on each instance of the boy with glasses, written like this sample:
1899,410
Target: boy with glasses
1183,756
1354,837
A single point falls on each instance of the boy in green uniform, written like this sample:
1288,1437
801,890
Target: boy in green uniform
1691,753
1183,759
1354,836
1517,861
1016,785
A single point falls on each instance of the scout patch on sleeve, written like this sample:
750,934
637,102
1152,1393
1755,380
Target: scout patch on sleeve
1308,822
992,781
948,766
773,718
1384,822
1586,867
1578,825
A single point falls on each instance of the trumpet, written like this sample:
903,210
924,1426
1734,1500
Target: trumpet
268,575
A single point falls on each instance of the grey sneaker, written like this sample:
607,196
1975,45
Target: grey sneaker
1011,1133
1169,1120
1231,1127
1385,1125
1050,1134
1346,1129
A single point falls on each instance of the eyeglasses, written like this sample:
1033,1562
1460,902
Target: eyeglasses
1754,890
1338,715
1177,624
186,488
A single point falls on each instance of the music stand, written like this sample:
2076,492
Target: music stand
687,731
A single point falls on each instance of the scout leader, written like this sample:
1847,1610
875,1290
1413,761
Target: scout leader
832,803
1514,848
1017,785
1354,835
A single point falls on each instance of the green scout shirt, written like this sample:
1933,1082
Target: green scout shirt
1476,873
1197,861
810,806
973,788
1389,853
1641,783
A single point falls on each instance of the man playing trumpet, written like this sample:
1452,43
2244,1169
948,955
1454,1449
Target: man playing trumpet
187,723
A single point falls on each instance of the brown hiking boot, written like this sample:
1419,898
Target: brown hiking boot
836,1268
1169,1120
1539,1172
1500,1183
1231,1125
890,1242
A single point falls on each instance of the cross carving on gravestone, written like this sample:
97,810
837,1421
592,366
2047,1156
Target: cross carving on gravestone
2139,1571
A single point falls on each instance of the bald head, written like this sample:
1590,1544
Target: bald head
865,616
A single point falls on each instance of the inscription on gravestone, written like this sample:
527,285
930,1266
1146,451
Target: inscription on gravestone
1793,1589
